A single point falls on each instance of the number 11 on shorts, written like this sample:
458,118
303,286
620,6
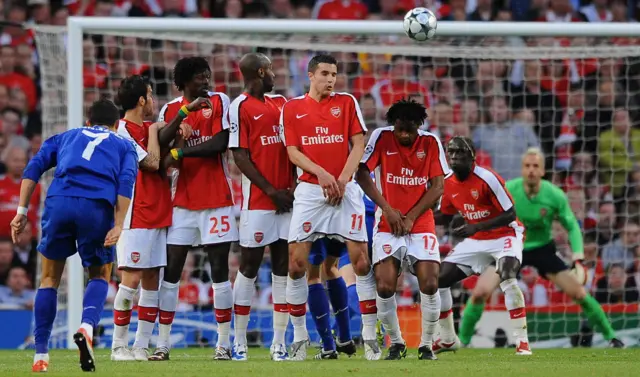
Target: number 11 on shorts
356,222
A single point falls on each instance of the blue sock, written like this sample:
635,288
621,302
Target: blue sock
340,302
354,301
94,297
44,312
319,307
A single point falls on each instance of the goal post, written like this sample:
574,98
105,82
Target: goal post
466,41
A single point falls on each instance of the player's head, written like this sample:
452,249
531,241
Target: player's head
322,71
532,166
461,154
104,112
406,116
135,92
192,75
257,68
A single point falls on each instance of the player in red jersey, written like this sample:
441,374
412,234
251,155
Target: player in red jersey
141,250
203,211
410,165
267,192
491,233
324,135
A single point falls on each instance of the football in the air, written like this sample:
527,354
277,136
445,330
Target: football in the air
420,24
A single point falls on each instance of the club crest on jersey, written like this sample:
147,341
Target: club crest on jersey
135,257
421,155
386,249
543,212
335,111
258,236
306,227
474,194
207,113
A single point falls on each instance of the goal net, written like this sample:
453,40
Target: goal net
575,98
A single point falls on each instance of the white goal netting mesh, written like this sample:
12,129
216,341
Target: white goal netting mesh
577,99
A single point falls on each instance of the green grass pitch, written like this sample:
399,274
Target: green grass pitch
465,363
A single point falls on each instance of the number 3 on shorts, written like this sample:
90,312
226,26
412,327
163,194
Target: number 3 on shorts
508,244
223,223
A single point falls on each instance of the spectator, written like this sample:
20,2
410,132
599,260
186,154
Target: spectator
606,223
597,11
25,254
6,259
619,152
617,287
17,292
16,161
340,10
504,139
624,250
533,288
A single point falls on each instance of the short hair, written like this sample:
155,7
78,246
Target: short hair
103,112
188,67
316,60
130,91
406,110
534,151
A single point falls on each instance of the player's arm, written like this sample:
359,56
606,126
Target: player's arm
428,199
151,162
126,181
45,159
357,151
570,223
169,132
393,216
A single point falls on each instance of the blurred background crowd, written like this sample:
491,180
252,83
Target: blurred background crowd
583,113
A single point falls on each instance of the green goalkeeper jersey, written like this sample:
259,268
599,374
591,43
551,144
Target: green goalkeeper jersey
537,213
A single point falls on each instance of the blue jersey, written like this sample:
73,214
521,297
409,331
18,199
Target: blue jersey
91,163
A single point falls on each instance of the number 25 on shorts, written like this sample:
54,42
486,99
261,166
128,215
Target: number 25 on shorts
220,225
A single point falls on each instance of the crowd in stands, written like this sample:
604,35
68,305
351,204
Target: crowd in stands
583,113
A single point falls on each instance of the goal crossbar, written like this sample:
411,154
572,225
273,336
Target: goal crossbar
78,26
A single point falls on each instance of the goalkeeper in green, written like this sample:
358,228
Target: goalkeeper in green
538,203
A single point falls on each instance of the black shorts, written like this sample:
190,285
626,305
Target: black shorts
544,259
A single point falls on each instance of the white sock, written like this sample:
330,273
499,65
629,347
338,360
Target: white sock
280,309
168,303
243,290
366,289
514,301
388,315
40,356
430,307
122,305
447,330
222,303
297,295
147,314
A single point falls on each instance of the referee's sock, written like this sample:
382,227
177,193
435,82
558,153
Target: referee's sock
596,316
470,317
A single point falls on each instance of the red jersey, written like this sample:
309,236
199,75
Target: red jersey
202,182
255,126
151,200
482,196
403,173
322,130
9,202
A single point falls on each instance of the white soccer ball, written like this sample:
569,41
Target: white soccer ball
420,24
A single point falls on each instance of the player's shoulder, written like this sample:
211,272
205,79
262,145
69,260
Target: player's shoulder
174,102
514,184
429,136
276,98
345,97
488,176
294,103
218,96
239,100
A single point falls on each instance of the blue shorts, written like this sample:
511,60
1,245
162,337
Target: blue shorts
323,247
370,220
70,221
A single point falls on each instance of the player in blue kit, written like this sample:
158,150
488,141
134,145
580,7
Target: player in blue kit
95,173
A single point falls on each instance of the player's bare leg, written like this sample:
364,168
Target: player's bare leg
244,289
487,283
430,305
450,274
147,313
386,275
168,299
45,308
508,268
297,295
222,296
366,287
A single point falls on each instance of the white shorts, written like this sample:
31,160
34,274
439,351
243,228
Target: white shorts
142,248
313,218
261,227
408,249
204,227
473,256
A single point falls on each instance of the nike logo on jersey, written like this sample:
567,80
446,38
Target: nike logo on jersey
454,195
298,116
258,117
391,153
